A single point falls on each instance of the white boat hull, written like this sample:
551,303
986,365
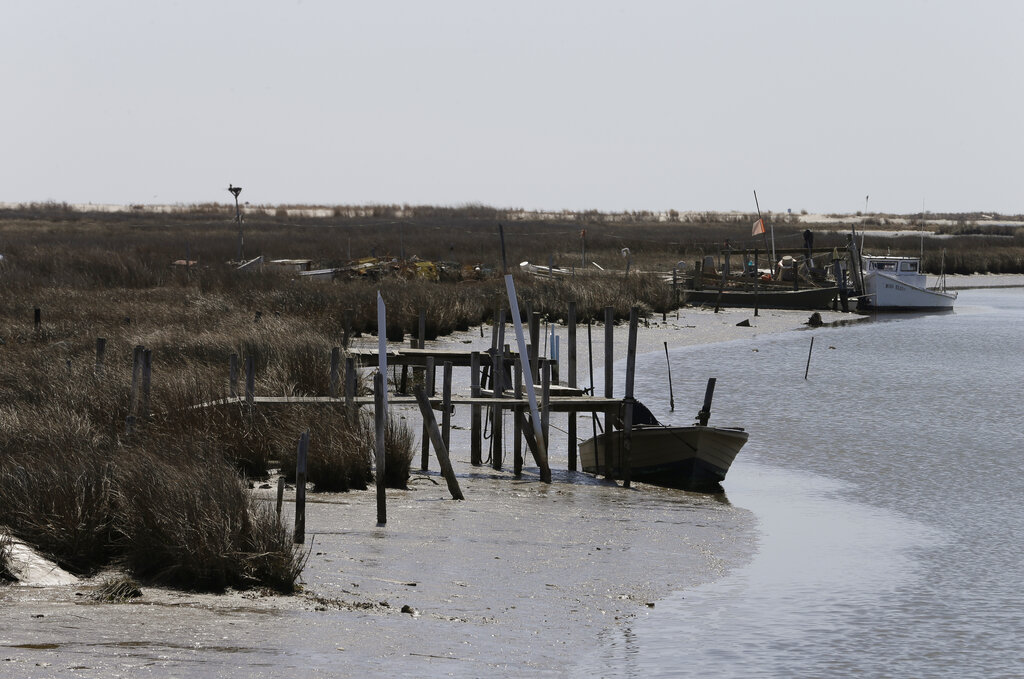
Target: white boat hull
883,292
680,457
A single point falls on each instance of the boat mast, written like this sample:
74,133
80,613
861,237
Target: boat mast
772,227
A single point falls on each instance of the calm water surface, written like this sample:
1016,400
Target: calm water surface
889,492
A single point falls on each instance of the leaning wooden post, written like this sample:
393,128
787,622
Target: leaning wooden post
300,489
101,352
540,453
609,340
439,448
335,371
380,419
627,418
671,397
475,443
571,340
233,376
446,401
808,368
425,450
147,381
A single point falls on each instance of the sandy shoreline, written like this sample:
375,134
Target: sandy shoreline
521,578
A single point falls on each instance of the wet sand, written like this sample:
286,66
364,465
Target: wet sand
521,578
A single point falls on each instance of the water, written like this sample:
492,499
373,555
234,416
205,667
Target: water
888,491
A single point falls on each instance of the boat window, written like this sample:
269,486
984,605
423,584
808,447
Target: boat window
884,266
908,266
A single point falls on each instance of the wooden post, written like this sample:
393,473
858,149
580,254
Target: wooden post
233,376
545,402
335,371
350,388
446,404
808,368
517,425
609,375
497,416
300,489
147,381
439,448
425,434
101,352
757,284
475,443
627,417
705,412
37,317
571,341
380,419
535,343
671,397
280,495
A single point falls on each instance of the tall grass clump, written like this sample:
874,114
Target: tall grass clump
6,545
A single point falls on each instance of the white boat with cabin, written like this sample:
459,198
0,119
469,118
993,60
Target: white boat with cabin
897,284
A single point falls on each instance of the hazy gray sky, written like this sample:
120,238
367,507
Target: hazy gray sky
540,105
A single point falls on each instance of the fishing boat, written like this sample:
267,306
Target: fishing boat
765,298
897,284
693,457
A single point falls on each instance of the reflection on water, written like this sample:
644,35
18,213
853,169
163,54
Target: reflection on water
887,487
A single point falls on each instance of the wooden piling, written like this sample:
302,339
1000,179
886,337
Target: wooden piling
446,404
475,442
497,416
380,420
671,397
280,495
300,489
627,417
545,402
425,433
535,343
517,425
609,376
571,424
439,448
335,371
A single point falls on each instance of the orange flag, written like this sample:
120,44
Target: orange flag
758,227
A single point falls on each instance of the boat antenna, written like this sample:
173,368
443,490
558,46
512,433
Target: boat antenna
772,227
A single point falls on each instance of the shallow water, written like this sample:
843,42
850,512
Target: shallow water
887,488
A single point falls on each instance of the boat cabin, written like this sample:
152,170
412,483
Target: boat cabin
907,269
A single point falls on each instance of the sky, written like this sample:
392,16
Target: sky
892,106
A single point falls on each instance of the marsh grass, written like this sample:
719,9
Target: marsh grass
6,545
169,502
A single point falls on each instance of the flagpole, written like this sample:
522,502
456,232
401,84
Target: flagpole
772,249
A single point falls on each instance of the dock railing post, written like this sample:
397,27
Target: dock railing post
571,424
627,417
380,452
475,445
609,376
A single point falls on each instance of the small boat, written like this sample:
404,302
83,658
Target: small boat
766,298
897,284
693,457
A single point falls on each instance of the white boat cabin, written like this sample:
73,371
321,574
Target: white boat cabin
907,269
